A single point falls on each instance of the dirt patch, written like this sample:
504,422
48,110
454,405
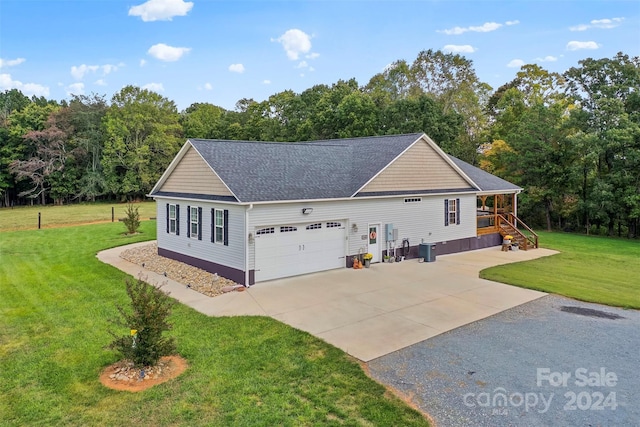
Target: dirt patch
408,399
122,376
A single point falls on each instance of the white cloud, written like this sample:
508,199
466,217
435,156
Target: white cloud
547,58
266,82
514,22
11,62
154,87
78,72
295,43
515,63
311,69
6,83
236,68
75,89
312,55
484,28
208,86
605,24
302,64
109,68
574,45
453,48
101,82
167,53
143,62
581,27
161,10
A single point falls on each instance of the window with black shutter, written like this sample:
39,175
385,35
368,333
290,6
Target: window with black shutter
446,212
225,240
451,211
188,221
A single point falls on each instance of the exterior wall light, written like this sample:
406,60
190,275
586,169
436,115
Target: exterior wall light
307,211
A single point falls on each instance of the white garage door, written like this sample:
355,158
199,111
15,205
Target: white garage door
290,250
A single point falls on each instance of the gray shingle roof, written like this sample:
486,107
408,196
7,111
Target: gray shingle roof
265,171
337,168
484,180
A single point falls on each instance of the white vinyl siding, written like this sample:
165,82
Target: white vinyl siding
419,222
232,255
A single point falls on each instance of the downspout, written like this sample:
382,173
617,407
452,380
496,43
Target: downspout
246,255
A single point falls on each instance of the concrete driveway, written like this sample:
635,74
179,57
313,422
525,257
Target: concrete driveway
371,312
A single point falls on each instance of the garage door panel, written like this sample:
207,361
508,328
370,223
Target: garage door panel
299,249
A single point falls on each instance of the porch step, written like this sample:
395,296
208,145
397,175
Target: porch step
516,234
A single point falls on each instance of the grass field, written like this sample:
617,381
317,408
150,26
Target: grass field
589,268
26,217
55,302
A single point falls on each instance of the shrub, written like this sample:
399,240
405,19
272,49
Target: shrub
132,219
146,322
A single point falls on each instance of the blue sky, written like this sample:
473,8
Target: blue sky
222,51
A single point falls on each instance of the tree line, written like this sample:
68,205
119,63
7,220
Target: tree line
571,140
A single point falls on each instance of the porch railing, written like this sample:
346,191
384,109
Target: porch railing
511,224
486,223
507,223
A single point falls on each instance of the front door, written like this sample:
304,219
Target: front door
374,242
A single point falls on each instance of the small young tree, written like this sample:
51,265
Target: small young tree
132,219
147,321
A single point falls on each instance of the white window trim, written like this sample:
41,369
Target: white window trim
172,219
453,212
216,226
192,223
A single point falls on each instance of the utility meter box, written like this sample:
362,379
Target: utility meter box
389,232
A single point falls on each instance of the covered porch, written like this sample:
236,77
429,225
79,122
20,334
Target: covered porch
497,213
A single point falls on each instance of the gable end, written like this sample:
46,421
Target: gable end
420,168
193,175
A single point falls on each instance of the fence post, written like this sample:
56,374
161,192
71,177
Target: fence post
112,214
38,220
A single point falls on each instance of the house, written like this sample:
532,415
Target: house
255,211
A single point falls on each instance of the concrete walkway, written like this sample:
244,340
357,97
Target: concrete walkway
370,312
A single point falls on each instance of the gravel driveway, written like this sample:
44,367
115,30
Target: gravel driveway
550,362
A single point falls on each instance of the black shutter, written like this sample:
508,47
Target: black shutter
177,220
226,227
446,212
213,225
167,217
458,211
199,223
188,221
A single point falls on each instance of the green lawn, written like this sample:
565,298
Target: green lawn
55,302
589,268
26,217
